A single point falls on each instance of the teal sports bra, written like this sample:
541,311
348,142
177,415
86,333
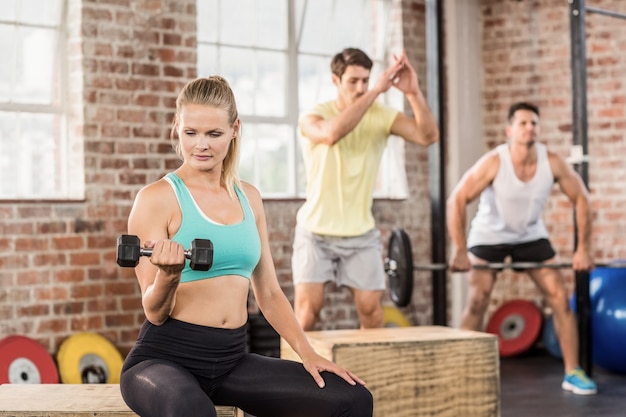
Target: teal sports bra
236,247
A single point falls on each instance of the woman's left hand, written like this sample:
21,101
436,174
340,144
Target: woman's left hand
315,364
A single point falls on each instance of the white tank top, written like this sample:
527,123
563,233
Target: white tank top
510,210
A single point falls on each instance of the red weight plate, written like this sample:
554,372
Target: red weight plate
517,324
25,361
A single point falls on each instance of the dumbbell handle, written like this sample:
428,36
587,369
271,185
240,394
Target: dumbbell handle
148,252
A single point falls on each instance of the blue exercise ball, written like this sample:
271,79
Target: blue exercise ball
607,293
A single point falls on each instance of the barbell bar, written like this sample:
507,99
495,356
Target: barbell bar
392,264
399,267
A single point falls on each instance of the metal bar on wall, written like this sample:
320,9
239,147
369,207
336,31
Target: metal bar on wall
580,138
436,158
605,12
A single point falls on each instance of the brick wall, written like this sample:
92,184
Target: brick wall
128,60
526,56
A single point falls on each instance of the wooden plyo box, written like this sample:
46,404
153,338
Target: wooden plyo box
72,400
417,371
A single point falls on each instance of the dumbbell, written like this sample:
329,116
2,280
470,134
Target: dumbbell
129,251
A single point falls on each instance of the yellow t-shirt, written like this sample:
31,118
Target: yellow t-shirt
341,177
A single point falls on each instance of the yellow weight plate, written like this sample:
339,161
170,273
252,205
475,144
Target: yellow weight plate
392,317
89,358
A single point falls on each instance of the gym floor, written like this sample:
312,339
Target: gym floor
531,386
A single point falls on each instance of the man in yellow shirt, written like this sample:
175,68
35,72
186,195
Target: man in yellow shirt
336,238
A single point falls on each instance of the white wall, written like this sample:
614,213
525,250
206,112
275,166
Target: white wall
464,109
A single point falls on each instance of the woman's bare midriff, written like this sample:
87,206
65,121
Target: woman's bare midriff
216,302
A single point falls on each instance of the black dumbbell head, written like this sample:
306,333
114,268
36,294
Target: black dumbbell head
128,250
201,258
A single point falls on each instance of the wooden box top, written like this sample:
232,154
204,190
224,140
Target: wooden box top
389,335
71,400
62,397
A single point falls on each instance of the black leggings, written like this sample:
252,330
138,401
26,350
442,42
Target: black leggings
164,375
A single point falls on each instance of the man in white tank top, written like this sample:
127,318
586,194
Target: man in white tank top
514,181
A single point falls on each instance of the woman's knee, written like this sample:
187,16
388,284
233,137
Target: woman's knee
361,403
348,400
169,403
161,390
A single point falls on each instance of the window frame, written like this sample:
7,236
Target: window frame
69,158
394,183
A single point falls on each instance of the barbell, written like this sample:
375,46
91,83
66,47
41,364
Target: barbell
399,267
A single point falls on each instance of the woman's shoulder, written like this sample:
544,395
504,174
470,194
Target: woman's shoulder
154,207
253,195
250,191
159,192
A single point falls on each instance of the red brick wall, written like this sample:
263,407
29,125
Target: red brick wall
526,56
128,60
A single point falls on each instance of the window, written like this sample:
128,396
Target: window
33,132
276,56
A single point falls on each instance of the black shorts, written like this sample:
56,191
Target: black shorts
535,251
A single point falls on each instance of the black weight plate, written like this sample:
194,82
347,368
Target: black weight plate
262,338
400,254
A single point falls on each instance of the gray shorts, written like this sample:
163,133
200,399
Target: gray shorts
355,262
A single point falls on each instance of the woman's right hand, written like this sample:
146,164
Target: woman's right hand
168,256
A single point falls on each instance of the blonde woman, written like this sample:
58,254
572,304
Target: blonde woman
191,350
